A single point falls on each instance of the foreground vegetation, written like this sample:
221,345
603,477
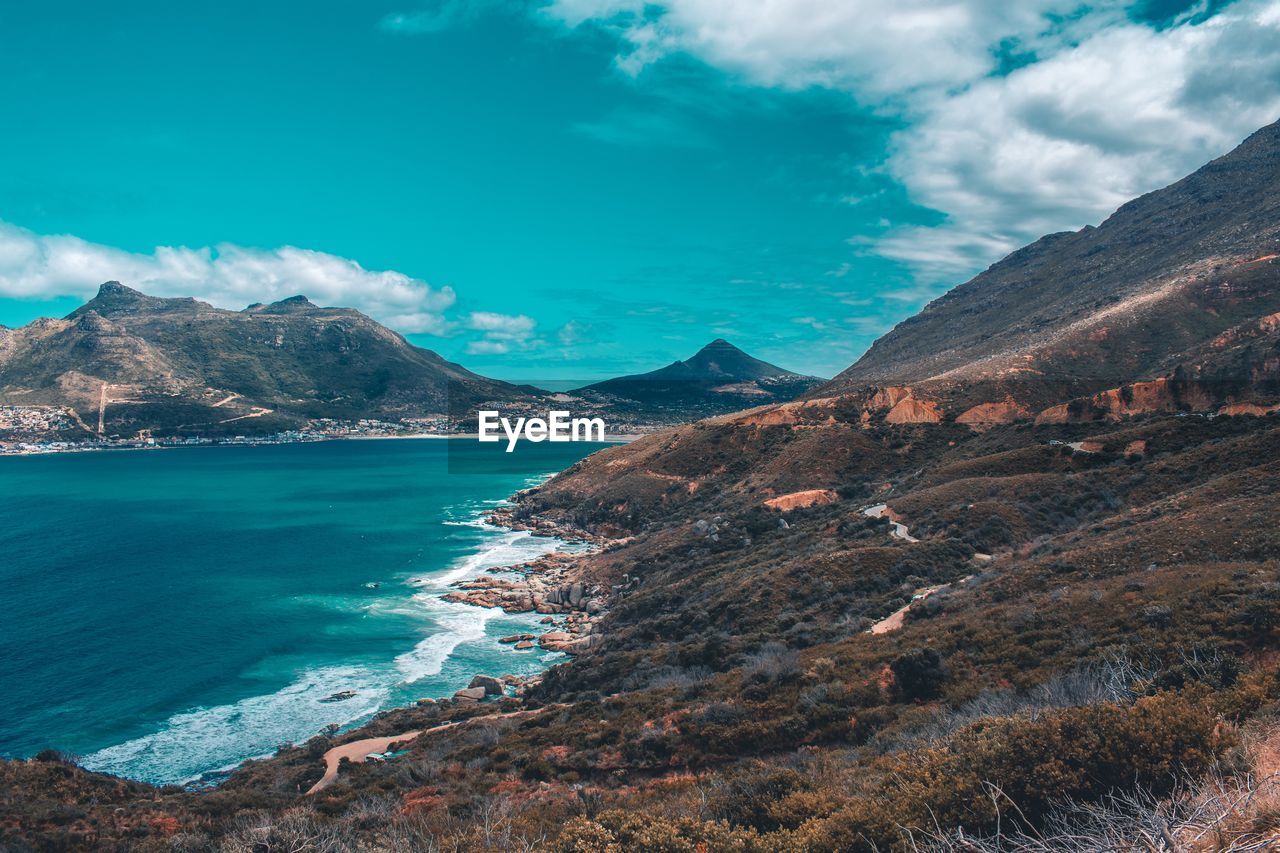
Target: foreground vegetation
1098,670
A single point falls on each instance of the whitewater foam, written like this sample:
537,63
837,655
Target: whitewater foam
190,744
194,743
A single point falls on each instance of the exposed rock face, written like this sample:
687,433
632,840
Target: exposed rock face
887,398
1249,409
986,415
913,411
797,500
1138,398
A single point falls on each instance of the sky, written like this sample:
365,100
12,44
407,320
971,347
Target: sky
576,189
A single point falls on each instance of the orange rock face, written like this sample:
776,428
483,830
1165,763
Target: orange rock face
796,500
913,411
1135,448
1059,414
778,416
888,398
986,415
1232,410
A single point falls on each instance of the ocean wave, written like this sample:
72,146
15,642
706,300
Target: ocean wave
457,624
194,743
504,548
190,744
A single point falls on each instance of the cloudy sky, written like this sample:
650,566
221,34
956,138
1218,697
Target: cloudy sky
581,188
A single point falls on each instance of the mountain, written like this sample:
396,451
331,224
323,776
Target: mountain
717,378
176,366
1181,284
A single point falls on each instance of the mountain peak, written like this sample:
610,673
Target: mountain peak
114,297
722,360
288,305
114,289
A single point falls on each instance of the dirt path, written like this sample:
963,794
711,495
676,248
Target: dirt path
257,412
359,750
225,400
899,530
102,406
897,618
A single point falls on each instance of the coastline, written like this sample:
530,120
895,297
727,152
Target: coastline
265,441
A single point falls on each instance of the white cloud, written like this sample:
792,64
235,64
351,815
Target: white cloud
439,15
1102,108
1062,142
228,276
483,347
874,49
501,333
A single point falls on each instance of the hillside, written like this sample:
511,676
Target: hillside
164,366
718,378
1181,282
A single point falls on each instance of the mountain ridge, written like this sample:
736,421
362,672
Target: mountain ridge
718,378
1079,305
164,365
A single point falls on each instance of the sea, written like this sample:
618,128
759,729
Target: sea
168,614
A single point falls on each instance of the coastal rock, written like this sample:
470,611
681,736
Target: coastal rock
517,638
555,641
469,695
524,644
490,685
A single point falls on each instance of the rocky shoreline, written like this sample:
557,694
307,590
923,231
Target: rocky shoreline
552,584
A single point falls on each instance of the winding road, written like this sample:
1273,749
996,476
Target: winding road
899,530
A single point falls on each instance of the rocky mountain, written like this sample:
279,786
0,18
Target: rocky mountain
718,378
1180,285
164,366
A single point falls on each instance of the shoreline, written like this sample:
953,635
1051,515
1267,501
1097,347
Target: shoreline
626,438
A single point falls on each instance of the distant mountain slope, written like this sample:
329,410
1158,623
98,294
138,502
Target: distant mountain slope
718,378
181,364
1146,293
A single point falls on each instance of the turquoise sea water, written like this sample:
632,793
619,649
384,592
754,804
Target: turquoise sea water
171,613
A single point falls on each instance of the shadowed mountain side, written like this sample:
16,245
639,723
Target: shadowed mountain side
1180,281
718,378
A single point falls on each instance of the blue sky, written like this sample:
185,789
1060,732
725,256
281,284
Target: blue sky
590,187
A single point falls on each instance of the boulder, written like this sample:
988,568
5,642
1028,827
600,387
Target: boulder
555,640
524,644
516,638
468,695
491,686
